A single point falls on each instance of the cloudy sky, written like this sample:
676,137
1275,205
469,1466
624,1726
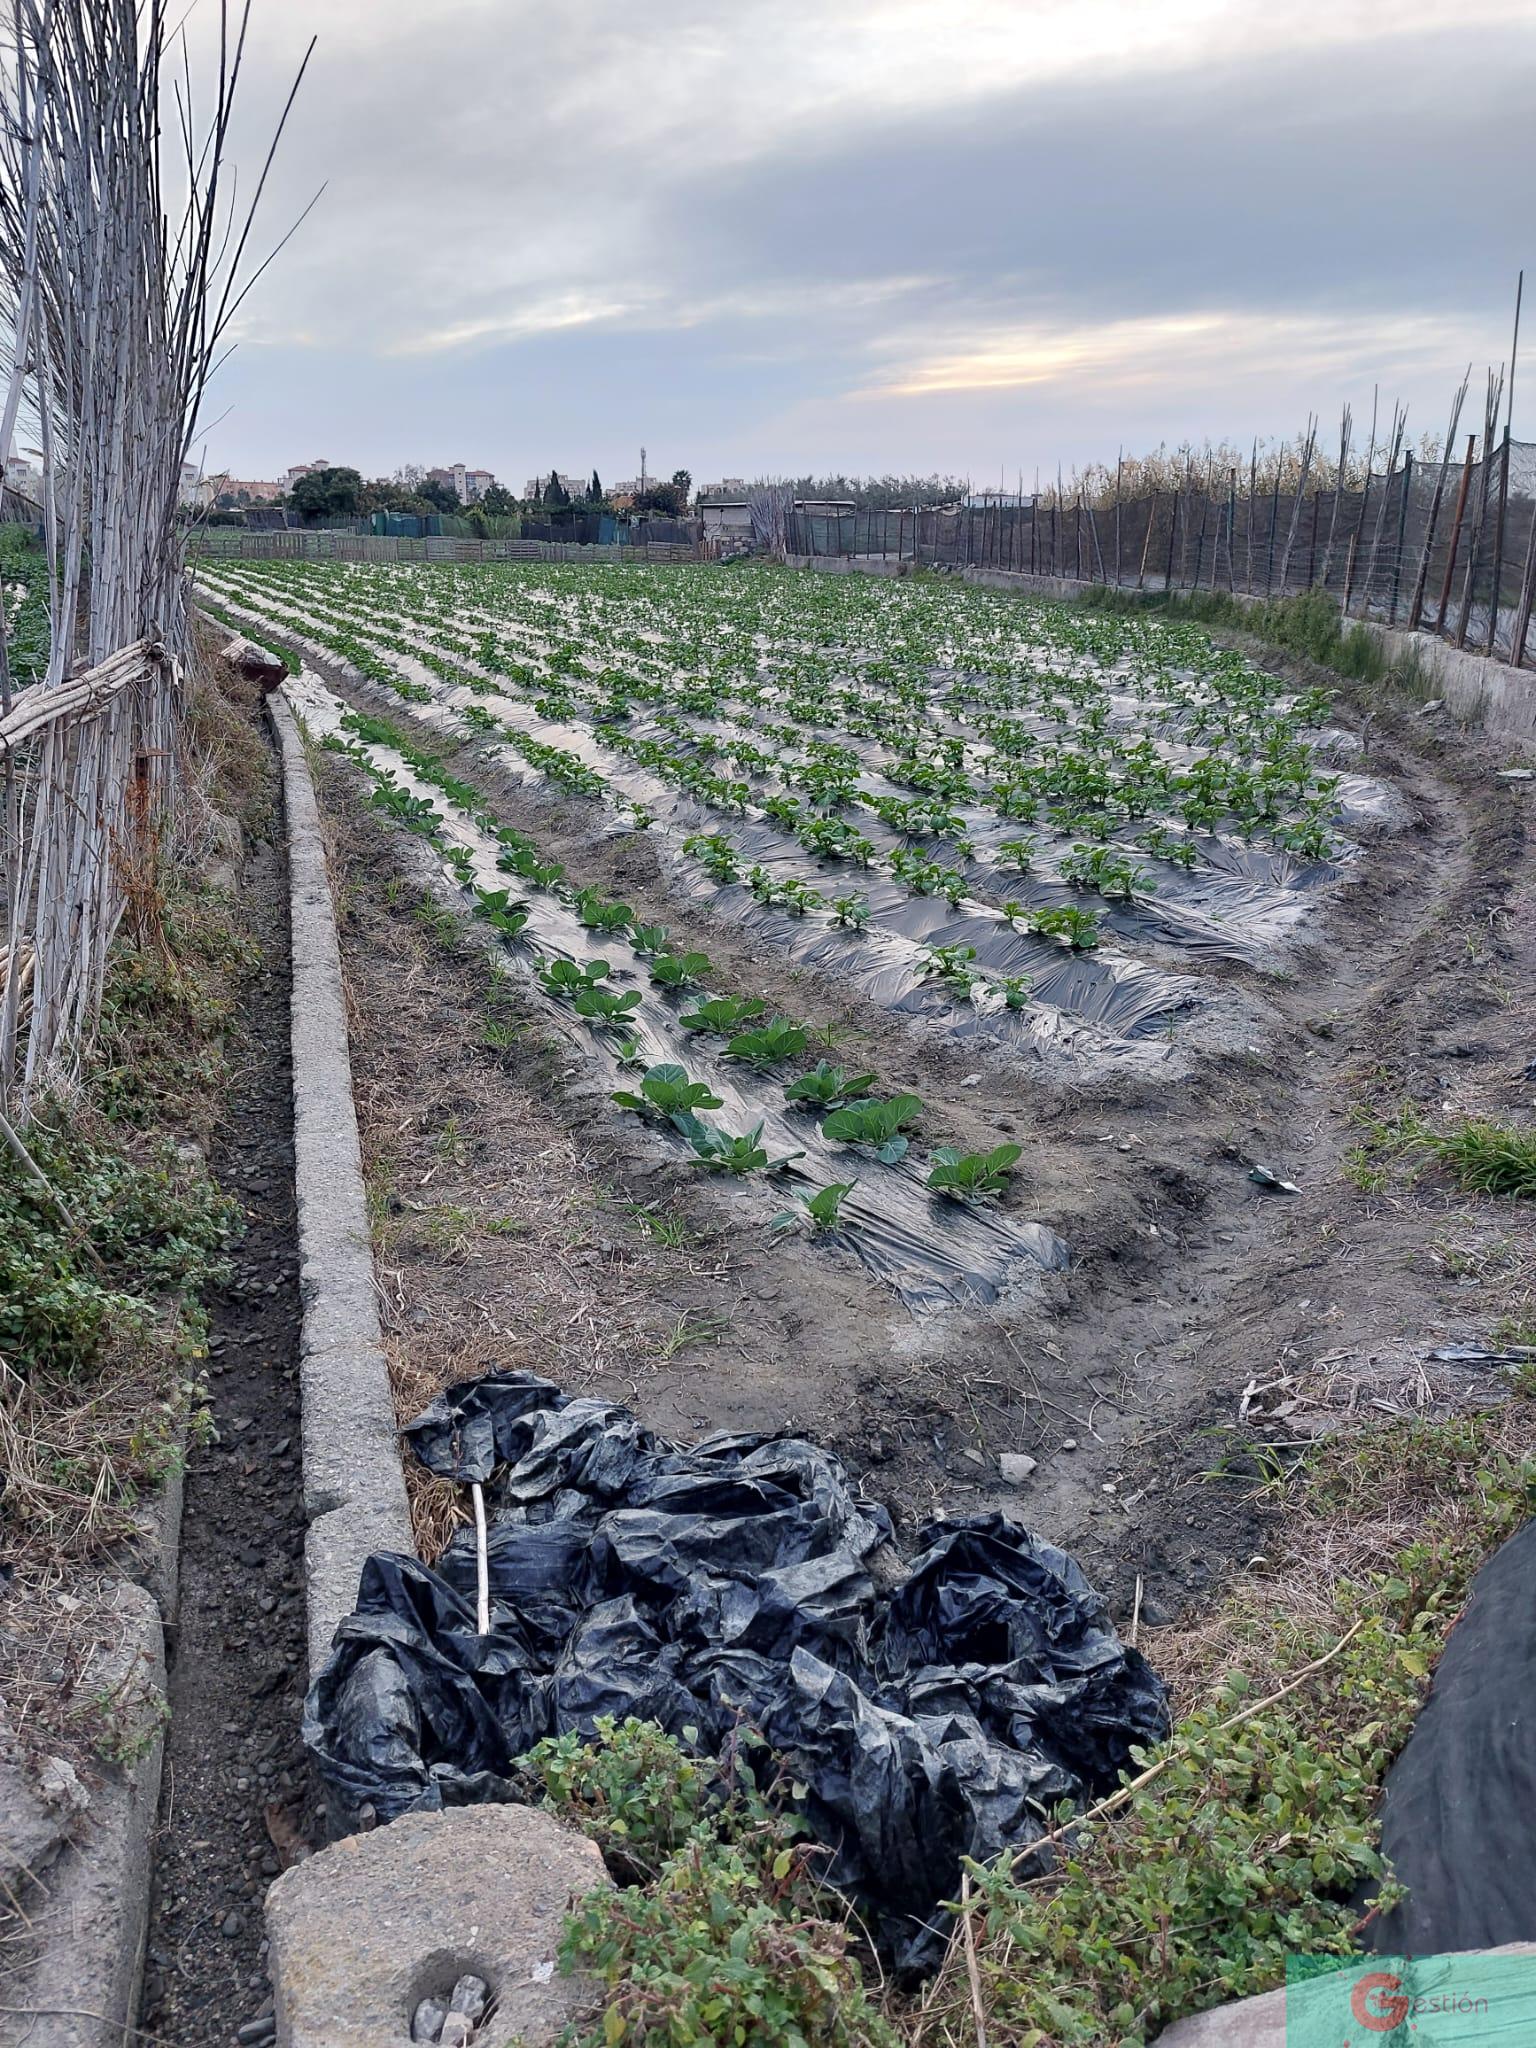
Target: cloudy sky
769,236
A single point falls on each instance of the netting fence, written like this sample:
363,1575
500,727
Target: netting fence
1445,545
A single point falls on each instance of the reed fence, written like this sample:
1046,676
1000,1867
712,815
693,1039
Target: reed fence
115,307
1446,546
87,775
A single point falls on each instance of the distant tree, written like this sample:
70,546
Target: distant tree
440,496
327,494
883,493
409,475
682,483
555,492
595,489
498,501
664,498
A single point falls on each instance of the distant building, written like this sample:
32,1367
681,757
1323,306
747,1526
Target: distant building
250,490
725,511
468,485
728,487
989,501
22,478
825,508
197,491
291,476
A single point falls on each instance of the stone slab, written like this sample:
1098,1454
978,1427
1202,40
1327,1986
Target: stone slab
365,1930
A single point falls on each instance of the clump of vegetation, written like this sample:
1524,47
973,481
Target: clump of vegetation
1483,1156
721,1933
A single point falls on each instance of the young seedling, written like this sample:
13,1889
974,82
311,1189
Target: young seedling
1101,868
828,1087
667,1092
1017,853
722,1014
524,861
852,912
503,915
716,853
650,938
718,1152
1077,929
972,1176
876,1124
603,1006
822,1211
679,970
769,1045
600,916
563,978
952,966
1014,990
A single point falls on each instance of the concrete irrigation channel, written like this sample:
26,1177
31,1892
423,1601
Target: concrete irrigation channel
441,1186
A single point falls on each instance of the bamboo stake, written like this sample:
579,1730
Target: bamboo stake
1416,606
1450,560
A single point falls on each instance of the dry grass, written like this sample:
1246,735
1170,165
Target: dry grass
1370,1495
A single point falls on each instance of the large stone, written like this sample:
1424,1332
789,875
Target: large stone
364,1931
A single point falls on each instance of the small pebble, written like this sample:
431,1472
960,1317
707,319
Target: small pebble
1069,1443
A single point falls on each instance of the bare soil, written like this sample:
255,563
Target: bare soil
512,1200
236,1801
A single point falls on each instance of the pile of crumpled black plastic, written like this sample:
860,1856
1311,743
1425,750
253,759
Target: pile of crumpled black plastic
934,1709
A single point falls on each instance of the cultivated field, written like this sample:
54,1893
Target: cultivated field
937,954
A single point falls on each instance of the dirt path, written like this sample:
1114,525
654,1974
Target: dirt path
234,1805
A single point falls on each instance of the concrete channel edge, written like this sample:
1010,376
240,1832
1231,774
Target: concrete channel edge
354,1487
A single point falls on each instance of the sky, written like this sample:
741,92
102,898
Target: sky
771,237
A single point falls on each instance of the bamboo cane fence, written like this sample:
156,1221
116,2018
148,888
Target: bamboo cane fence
86,777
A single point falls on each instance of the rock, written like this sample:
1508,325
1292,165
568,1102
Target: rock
1428,710
256,2033
362,1933
1015,1467
1069,1443
1515,774
428,2023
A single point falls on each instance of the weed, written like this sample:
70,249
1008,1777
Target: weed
441,925
690,1330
